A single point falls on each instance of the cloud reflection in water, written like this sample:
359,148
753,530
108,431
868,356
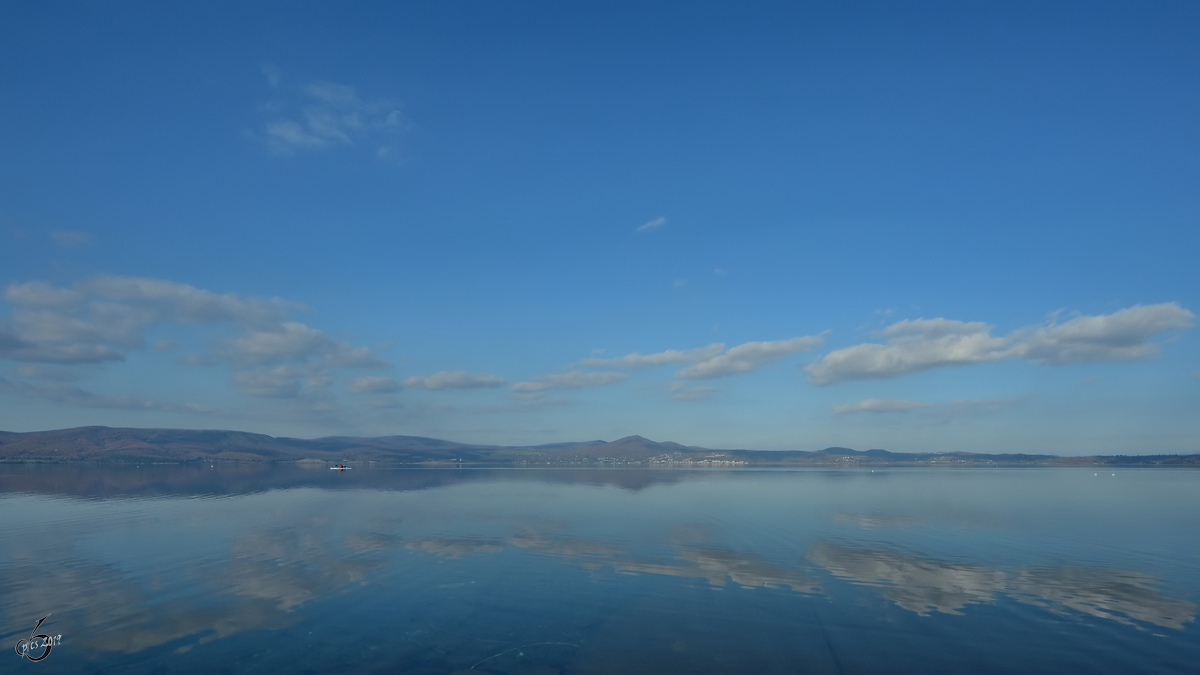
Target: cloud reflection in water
716,564
268,574
921,585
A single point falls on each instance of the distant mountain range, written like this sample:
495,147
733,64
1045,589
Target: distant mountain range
105,444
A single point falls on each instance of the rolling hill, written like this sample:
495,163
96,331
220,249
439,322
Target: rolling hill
107,444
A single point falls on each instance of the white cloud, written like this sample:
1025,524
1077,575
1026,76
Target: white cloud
651,225
55,336
98,319
206,359
1120,336
878,405
943,411
281,382
922,344
188,304
636,360
49,337
749,356
101,319
682,392
72,395
573,380
42,372
328,115
914,345
291,341
345,355
454,379
369,384
713,360
41,295
287,135
385,402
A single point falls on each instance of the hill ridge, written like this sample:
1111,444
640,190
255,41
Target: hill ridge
124,444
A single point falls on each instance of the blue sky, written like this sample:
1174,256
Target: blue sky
915,226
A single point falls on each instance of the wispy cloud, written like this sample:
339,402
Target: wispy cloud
36,371
104,318
652,225
636,360
749,356
281,382
922,344
303,381
41,295
202,359
371,384
74,396
682,392
187,304
292,341
454,379
878,405
576,379
325,115
272,73
1120,336
949,409
713,360
385,402
71,238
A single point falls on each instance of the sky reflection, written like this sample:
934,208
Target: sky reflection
922,584
130,575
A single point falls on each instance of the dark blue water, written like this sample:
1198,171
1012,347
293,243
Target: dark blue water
272,570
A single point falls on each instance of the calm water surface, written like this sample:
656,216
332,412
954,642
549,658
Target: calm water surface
273,570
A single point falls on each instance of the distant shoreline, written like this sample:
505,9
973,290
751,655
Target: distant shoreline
111,445
1183,462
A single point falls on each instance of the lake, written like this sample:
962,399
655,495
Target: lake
274,569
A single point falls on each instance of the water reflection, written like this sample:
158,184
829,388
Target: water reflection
605,572
921,585
587,553
710,561
103,609
454,548
286,567
875,521
264,576
229,479
716,563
